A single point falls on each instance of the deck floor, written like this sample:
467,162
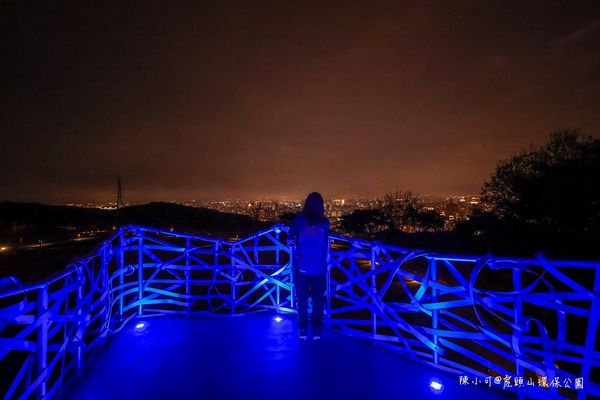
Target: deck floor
254,357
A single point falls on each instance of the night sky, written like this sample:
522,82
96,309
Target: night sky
209,100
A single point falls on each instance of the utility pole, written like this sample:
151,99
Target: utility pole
119,194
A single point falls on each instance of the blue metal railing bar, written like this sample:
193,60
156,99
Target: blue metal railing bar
481,315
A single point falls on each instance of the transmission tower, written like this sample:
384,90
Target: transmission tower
119,194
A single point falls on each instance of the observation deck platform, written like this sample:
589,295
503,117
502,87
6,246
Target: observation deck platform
396,319
255,357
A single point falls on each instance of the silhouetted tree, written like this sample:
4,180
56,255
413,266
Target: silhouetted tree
399,209
555,187
287,218
363,221
429,221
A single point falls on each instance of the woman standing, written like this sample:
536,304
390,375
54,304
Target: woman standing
308,238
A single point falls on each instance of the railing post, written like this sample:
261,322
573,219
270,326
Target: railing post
104,287
233,280
80,324
292,289
374,249
187,276
233,274
328,282
277,255
590,338
256,239
121,261
140,272
435,311
518,314
42,339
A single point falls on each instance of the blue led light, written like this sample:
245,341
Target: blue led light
278,319
140,325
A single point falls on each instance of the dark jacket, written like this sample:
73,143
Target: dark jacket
299,223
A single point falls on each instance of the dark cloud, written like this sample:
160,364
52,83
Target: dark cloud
234,99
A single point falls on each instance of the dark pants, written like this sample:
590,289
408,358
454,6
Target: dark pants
305,286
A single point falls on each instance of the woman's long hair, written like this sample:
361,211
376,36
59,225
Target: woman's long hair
314,207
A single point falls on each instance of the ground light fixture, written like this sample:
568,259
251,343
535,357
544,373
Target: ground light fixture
436,386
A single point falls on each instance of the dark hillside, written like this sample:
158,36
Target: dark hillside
37,240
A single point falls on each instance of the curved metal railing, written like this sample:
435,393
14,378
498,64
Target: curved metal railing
529,325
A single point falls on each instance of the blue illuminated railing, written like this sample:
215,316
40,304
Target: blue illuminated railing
477,316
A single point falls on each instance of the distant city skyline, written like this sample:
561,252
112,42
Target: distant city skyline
452,209
189,201
213,100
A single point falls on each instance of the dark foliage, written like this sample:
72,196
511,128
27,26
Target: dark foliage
554,186
544,199
286,218
429,221
363,221
399,209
